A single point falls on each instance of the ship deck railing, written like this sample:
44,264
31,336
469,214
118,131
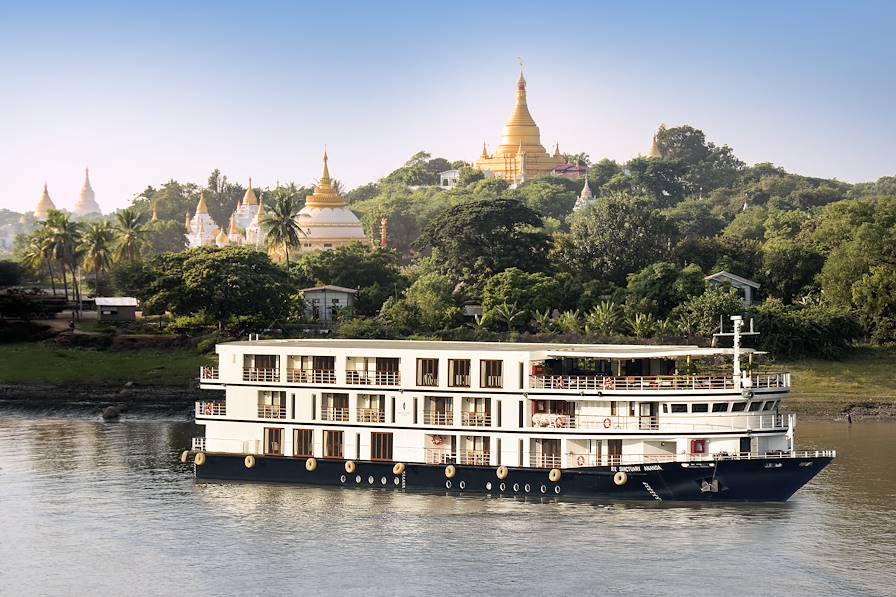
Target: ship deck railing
271,411
310,376
654,382
207,373
373,378
666,423
263,375
211,408
371,415
445,418
334,414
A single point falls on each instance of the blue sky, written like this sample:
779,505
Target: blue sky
143,94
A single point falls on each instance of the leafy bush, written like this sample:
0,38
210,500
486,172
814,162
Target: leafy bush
804,330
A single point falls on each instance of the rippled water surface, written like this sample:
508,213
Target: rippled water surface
88,507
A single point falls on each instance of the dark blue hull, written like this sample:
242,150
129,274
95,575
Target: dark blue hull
753,480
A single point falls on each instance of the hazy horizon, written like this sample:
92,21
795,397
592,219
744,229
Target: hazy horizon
144,94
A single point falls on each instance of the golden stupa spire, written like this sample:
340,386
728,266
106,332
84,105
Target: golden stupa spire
586,190
654,151
44,205
221,239
324,193
233,228
484,155
520,128
249,197
201,208
557,149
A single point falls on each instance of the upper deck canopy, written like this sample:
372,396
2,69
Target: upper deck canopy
536,351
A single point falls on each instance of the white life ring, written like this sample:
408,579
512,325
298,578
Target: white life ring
620,478
554,475
200,459
349,466
398,468
311,465
249,461
450,471
580,460
501,473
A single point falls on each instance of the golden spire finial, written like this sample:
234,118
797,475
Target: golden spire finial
325,175
324,195
249,196
233,228
221,239
201,208
586,190
484,151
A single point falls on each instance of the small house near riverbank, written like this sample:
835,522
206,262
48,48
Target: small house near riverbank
744,287
116,308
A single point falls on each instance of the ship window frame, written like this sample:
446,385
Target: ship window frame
725,406
329,441
738,407
428,372
309,434
491,368
381,443
268,440
454,373
700,407
757,404
677,409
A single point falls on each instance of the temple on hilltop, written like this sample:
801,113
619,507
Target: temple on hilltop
520,156
201,228
654,151
44,205
586,197
325,220
87,204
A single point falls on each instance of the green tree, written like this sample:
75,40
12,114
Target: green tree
280,224
130,232
615,236
548,198
98,246
163,236
530,292
477,239
874,297
427,306
701,314
661,286
788,268
604,319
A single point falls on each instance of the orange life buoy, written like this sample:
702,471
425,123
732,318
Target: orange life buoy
558,422
437,440
208,408
580,460
607,423
559,382
609,383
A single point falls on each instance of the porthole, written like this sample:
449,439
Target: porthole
544,489
516,486
557,490
488,486
397,481
526,488
358,479
503,487
370,480
462,485
447,484
342,479
384,480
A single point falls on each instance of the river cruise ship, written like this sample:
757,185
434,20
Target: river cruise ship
608,422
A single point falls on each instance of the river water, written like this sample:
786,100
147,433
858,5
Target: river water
88,507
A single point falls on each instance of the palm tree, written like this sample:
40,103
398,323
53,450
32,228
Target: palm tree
38,253
280,226
641,324
97,243
543,322
64,236
603,319
130,230
508,314
568,322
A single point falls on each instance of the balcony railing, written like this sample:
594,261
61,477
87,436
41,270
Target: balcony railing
654,382
703,423
271,411
474,457
493,381
440,456
371,415
310,376
459,381
373,378
199,444
265,375
579,460
334,414
438,417
475,419
211,409
545,460
208,373
428,380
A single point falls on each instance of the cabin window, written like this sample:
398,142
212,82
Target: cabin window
491,374
700,407
273,441
754,406
679,408
613,408
770,405
738,407
380,446
303,442
665,408
459,373
427,372
333,444
720,407
271,405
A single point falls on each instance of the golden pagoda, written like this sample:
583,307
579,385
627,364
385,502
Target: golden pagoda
44,205
326,221
520,156
654,151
